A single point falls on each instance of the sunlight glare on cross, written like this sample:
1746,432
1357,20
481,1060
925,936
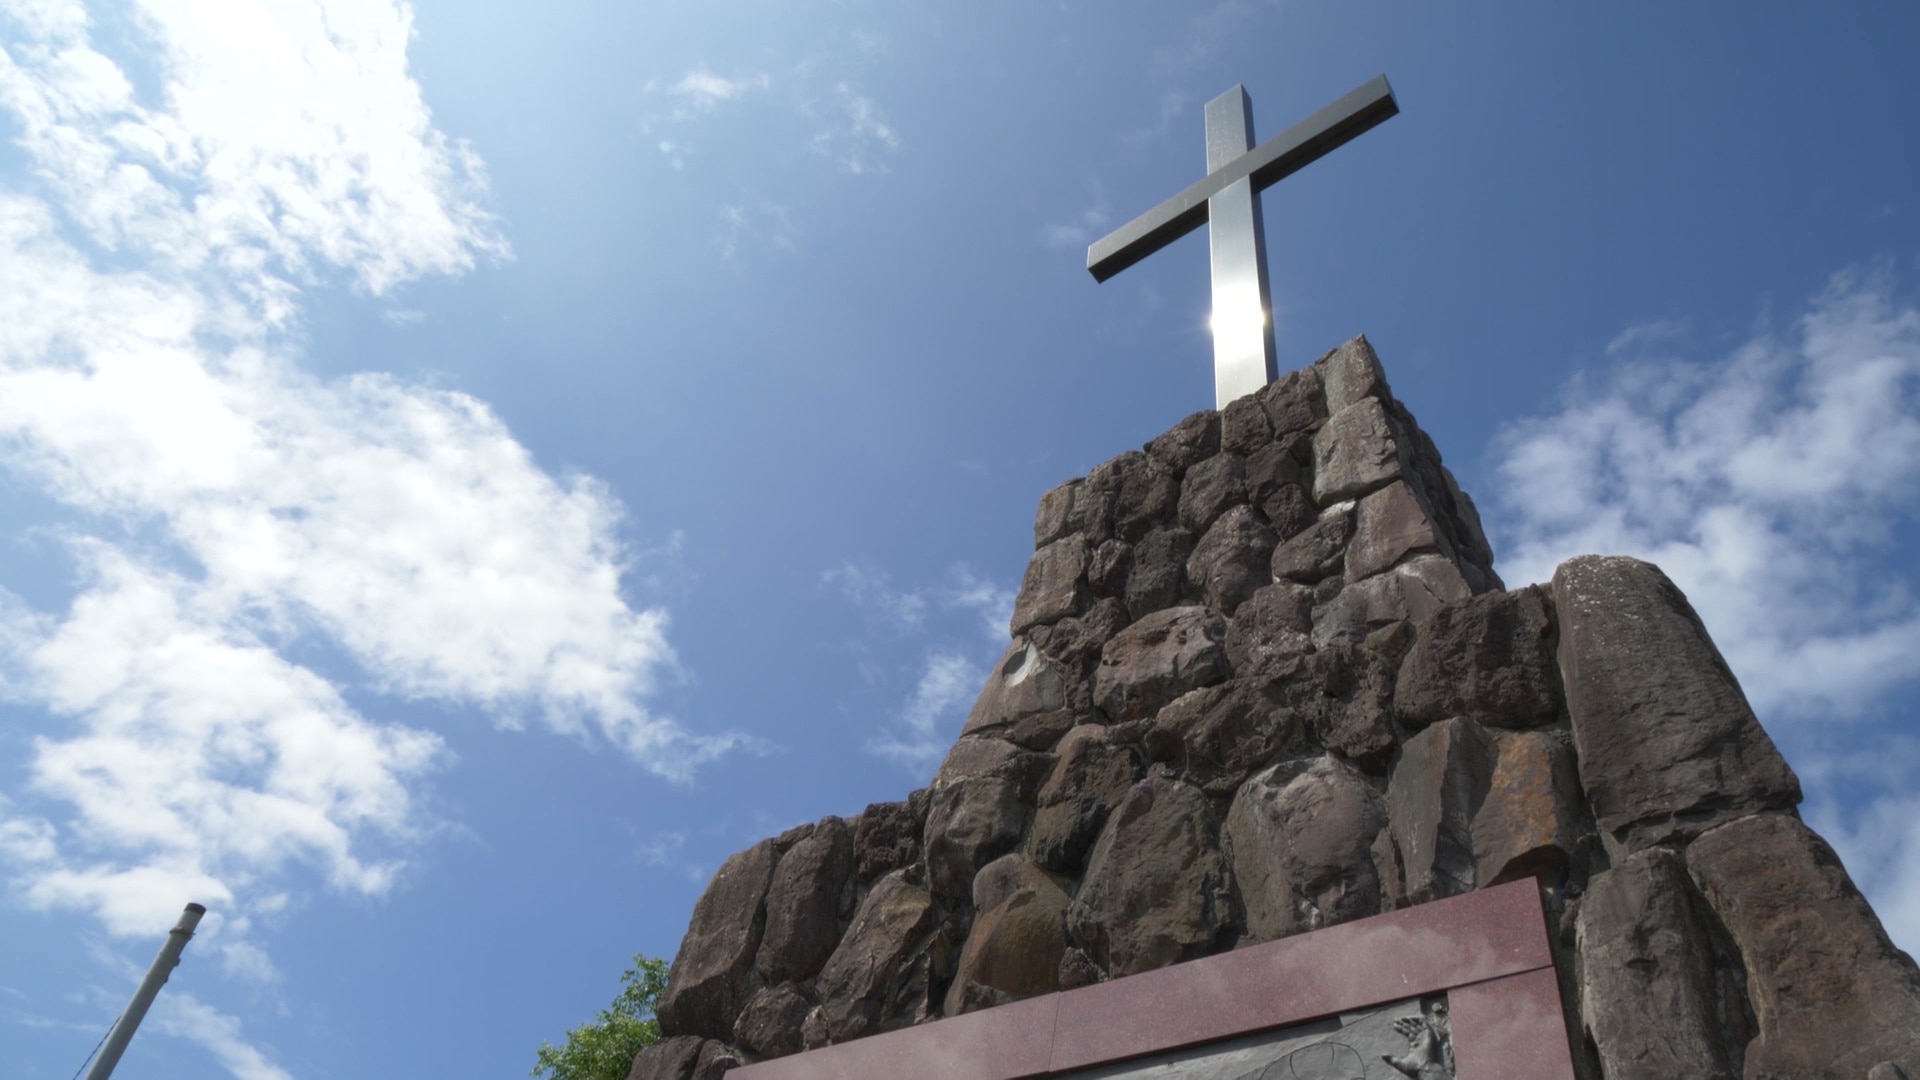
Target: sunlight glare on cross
1227,199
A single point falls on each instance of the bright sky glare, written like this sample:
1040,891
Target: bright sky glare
470,467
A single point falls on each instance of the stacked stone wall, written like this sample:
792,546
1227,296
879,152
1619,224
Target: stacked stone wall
1263,680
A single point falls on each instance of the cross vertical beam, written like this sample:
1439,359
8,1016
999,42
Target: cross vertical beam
1227,198
1236,242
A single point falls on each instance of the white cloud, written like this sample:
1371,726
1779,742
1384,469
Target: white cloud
1074,235
755,223
1776,482
692,97
857,135
1764,481
180,1013
229,511
872,591
948,684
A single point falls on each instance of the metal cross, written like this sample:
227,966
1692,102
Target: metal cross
1225,200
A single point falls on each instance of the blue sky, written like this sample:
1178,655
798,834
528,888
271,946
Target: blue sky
466,469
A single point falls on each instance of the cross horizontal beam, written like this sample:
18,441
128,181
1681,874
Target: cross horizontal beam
1271,161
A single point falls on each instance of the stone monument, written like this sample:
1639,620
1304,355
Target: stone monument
1277,781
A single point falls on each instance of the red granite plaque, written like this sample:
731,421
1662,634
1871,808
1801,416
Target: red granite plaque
1458,989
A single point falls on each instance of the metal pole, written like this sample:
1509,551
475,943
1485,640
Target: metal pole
163,966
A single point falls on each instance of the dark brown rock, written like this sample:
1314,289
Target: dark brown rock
1412,591
771,1024
1210,489
1832,995
1294,403
1158,576
1055,585
869,981
1090,777
1024,683
1355,452
1157,659
811,892
1667,743
1187,443
1529,823
1350,373
1107,568
1277,488
1145,493
671,1058
712,973
969,824
1301,834
974,756
1438,785
1077,969
1490,657
1389,525
1232,559
1015,945
888,836
1270,629
1649,996
1316,552
715,1060
1055,516
1244,426
1042,731
1157,889
1346,692
1227,732
1075,643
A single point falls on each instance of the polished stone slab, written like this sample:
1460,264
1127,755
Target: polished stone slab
1487,951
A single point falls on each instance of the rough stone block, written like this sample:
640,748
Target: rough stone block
1347,691
1226,732
1294,402
1145,494
1055,584
712,972
1832,995
1351,373
1317,551
1529,823
671,1058
1413,591
1244,426
1090,776
1355,452
1490,657
1668,745
969,824
1210,489
1270,629
811,891
1016,942
878,961
1232,559
1187,443
1159,658
1075,644
1649,997
1389,525
1024,683
1157,890
1055,516
1158,577
888,836
1107,568
1437,787
1301,834
770,1025
1277,487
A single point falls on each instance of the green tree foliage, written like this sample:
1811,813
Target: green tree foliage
604,1049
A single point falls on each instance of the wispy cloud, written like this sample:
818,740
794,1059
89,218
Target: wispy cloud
941,636
755,224
691,98
1081,229
854,132
1776,482
231,515
180,1013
